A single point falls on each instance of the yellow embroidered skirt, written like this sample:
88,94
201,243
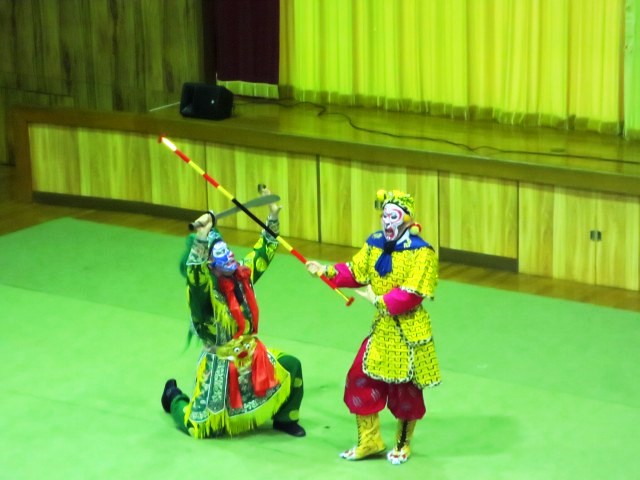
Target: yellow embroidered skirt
401,349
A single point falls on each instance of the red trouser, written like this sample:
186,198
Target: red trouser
365,396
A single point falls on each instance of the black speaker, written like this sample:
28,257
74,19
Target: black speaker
201,100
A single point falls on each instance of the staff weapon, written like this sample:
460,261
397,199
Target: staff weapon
171,146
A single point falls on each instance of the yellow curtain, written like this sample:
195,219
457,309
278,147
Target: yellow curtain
632,71
532,62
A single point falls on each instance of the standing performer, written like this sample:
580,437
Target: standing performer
239,383
397,360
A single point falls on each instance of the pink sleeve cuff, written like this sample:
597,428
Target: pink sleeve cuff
399,301
344,277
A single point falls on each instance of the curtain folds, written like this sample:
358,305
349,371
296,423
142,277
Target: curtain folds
251,89
247,40
528,62
632,71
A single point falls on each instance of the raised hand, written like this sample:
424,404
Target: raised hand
367,294
274,208
316,268
203,224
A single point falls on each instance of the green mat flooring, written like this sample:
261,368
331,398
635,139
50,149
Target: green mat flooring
94,320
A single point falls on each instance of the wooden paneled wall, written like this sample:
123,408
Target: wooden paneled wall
348,189
539,228
589,237
111,55
291,175
114,165
479,214
119,166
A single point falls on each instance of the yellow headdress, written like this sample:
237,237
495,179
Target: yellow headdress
396,197
402,200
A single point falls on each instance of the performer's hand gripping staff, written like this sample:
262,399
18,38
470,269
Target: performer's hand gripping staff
171,146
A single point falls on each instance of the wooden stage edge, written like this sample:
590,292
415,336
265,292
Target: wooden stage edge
580,160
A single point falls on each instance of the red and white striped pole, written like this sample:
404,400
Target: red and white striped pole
171,146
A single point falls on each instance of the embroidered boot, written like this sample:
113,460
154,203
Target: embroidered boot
369,439
402,451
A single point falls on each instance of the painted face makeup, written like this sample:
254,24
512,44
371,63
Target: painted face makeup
392,219
223,258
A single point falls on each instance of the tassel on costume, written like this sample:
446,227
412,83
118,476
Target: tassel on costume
262,371
235,398
239,423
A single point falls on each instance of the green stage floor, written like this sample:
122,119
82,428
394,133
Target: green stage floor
94,320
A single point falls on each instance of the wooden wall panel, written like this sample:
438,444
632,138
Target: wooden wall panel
55,159
6,148
535,231
7,32
337,213
10,97
479,215
348,192
555,236
8,130
173,182
573,251
301,198
25,45
76,68
114,165
112,55
617,253
292,176
331,199
109,167
47,56
423,185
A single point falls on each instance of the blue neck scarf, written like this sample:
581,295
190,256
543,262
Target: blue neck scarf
383,264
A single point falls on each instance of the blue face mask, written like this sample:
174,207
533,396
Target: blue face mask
222,258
